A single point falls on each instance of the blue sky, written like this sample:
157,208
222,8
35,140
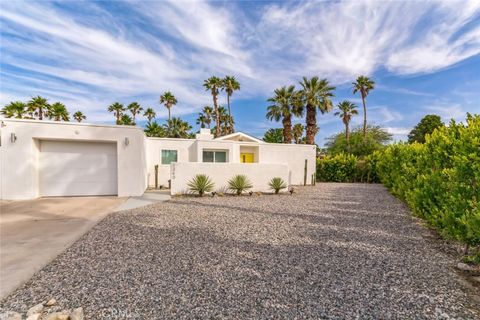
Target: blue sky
423,56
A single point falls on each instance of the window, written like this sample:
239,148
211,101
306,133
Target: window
214,156
169,156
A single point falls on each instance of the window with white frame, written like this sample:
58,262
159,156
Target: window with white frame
214,156
169,156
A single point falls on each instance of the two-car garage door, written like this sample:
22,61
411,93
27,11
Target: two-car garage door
70,168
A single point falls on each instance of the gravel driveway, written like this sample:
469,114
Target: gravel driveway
334,251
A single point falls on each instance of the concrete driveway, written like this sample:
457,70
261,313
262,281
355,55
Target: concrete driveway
34,232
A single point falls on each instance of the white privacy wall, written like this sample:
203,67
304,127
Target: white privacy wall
294,155
258,174
19,160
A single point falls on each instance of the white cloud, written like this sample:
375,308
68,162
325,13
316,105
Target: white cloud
342,40
398,130
447,111
93,60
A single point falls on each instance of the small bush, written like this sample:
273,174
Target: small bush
239,183
277,184
200,184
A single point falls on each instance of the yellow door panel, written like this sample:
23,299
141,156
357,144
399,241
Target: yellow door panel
246,157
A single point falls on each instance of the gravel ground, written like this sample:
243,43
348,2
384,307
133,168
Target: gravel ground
334,251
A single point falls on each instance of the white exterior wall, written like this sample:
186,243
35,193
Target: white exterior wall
294,155
185,150
19,160
258,174
290,155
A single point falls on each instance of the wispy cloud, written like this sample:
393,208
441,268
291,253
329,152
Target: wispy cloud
90,55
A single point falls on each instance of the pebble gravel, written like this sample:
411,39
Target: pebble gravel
333,251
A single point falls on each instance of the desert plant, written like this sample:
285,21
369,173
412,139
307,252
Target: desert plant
200,184
239,183
277,184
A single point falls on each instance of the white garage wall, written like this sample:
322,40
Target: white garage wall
19,160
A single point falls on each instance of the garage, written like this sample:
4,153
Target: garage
72,168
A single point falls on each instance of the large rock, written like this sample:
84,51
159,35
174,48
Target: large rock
77,314
465,267
64,315
50,302
35,316
10,315
35,309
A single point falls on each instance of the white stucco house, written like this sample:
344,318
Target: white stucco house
47,158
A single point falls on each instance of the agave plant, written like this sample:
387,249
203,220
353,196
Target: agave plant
239,183
200,184
277,184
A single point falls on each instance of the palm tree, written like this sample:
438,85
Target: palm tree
230,84
284,106
315,93
135,109
15,109
346,111
117,109
201,120
79,116
58,112
169,100
126,120
226,121
153,129
297,132
214,85
38,106
177,128
273,135
363,85
149,114
208,112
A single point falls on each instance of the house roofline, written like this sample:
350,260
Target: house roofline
68,123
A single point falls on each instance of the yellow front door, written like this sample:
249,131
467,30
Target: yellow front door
246,157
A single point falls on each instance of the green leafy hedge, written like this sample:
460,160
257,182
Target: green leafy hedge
439,180
347,168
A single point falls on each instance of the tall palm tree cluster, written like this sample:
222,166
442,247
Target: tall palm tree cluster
174,126
314,95
224,123
39,108
121,115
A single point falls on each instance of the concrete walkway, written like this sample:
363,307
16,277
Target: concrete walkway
34,232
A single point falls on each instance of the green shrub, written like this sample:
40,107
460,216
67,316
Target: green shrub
200,184
440,179
277,184
239,183
339,168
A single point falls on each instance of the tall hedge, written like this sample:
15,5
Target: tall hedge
440,179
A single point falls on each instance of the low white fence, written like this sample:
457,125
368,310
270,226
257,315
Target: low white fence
259,174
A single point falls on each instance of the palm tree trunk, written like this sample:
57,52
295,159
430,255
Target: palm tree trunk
364,117
217,116
118,117
347,136
311,124
40,113
287,129
232,130
169,115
